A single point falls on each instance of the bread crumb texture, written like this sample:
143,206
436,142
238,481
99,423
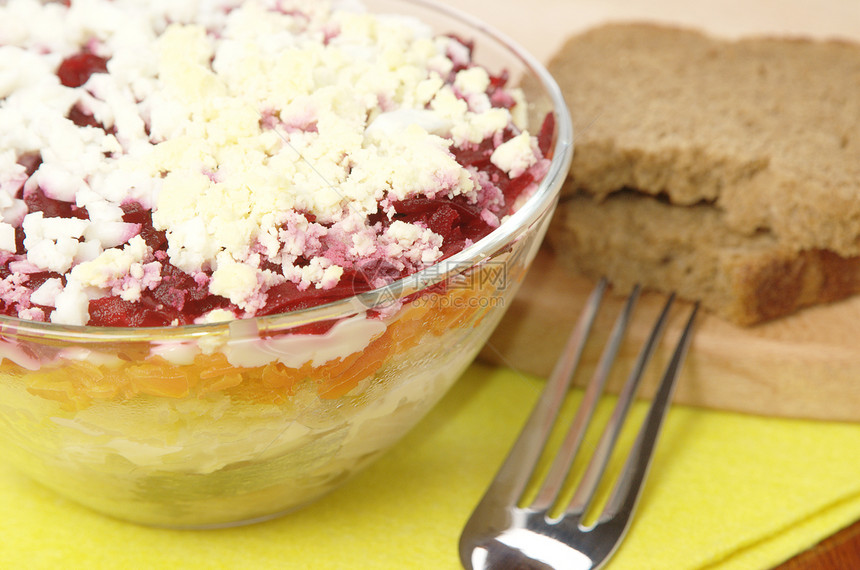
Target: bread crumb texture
767,129
726,170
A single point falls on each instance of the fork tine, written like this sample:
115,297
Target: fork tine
514,474
627,489
502,533
587,487
554,479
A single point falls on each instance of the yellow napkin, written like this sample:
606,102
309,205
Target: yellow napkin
726,491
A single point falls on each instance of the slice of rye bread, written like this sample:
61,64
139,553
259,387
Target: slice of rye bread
744,279
766,129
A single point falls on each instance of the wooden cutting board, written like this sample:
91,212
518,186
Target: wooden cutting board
803,366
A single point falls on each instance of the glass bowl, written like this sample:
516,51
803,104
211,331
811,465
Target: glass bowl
223,424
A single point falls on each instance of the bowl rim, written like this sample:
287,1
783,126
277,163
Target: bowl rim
531,210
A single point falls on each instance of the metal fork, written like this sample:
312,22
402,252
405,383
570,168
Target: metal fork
502,534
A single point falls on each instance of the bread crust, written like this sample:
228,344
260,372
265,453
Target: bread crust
745,279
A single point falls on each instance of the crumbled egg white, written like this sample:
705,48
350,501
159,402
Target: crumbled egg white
111,264
52,243
47,292
7,237
234,280
515,156
226,135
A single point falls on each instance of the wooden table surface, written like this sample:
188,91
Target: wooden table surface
838,552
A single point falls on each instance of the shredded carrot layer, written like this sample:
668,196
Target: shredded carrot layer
79,384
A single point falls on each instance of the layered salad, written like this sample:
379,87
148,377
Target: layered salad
172,163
